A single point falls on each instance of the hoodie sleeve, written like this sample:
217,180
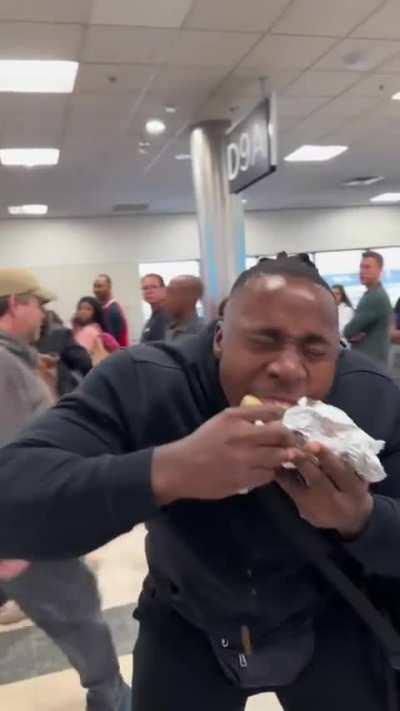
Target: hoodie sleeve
73,480
377,549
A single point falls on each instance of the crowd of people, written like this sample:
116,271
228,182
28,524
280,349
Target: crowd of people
98,462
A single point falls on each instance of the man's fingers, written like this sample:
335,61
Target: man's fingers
263,413
339,472
273,434
271,457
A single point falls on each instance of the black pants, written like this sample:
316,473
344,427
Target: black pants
175,670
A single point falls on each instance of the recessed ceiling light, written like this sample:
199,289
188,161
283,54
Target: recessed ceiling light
244,201
170,109
315,153
360,182
396,97
28,209
144,144
155,127
38,76
143,151
386,197
29,157
183,156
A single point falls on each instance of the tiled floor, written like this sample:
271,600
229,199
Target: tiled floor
120,568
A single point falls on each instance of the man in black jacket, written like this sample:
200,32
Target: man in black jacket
157,434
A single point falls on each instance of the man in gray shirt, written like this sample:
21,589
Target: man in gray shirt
183,293
368,330
61,597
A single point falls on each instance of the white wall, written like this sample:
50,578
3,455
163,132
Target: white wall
67,254
323,229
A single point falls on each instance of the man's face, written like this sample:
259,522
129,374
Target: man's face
279,341
370,272
28,319
152,291
175,301
101,289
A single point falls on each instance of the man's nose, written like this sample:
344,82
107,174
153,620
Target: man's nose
288,365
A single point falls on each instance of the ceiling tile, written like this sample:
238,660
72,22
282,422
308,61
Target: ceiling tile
127,45
45,10
140,13
313,83
349,106
205,49
384,24
377,85
188,80
284,52
27,122
301,107
112,78
252,15
246,81
25,40
358,55
333,19
392,66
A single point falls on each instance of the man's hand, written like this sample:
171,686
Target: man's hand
329,494
224,456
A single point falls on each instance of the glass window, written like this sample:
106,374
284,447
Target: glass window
342,268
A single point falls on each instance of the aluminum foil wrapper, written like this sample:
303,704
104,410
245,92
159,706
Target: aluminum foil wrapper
331,427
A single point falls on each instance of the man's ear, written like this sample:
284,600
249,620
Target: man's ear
218,340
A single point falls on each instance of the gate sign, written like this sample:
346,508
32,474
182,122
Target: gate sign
251,148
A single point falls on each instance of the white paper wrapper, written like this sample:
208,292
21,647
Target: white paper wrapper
334,429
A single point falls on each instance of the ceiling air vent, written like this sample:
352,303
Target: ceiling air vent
130,207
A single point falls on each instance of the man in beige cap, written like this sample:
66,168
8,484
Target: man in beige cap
60,597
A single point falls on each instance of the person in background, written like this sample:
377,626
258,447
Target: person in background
90,330
74,361
154,293
183,293
395,330
368,331
345,307
114,317
60,597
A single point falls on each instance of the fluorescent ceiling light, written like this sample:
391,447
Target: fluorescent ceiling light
170,109
315,153
396,97
183,156
45,77
29,157
28,209
155,127
361,182
386,197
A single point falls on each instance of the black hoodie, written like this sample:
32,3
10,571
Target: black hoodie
80,476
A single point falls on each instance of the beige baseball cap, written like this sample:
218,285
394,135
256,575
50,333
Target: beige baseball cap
23,281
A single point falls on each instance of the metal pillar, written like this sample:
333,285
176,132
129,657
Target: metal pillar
220,215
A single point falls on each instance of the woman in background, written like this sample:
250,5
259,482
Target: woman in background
344,306
90,331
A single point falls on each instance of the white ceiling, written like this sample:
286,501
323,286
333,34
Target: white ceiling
334,65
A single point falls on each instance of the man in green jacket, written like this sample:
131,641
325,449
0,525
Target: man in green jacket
368,331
